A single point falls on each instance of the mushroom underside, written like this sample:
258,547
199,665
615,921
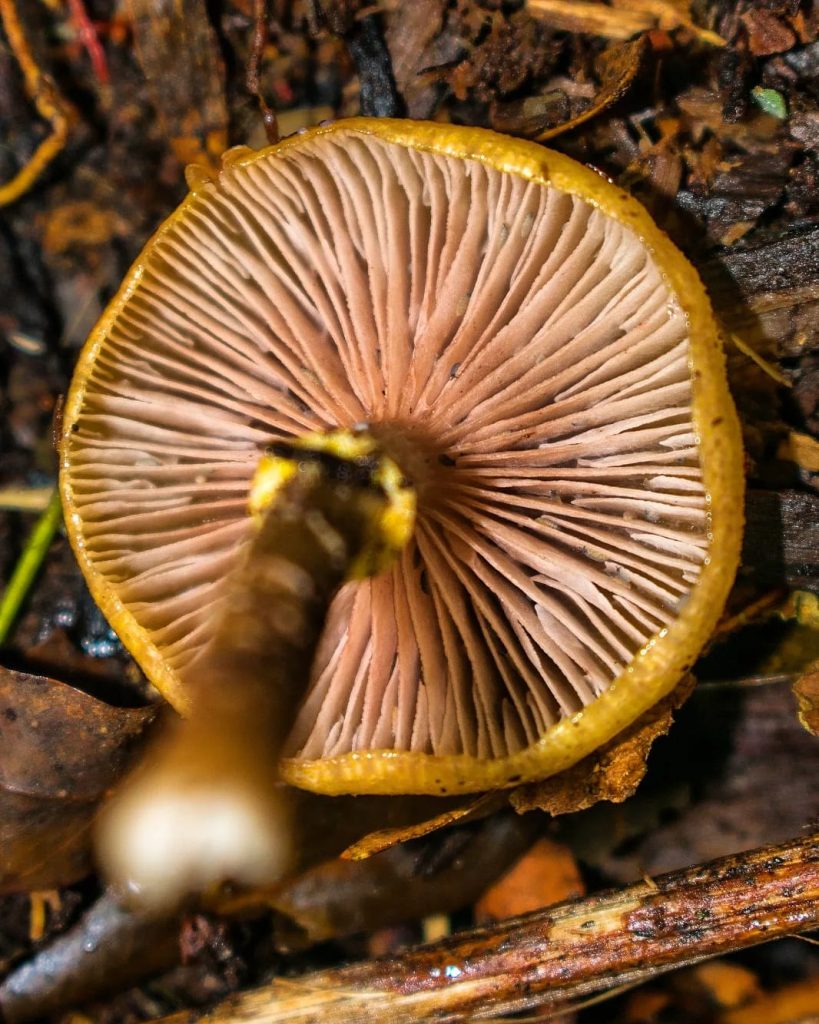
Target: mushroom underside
519,352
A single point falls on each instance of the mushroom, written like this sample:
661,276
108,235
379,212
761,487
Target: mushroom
206,804
532,352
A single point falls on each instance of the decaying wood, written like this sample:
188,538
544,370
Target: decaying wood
781,544
769,293
553,956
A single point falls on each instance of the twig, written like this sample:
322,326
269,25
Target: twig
749,682
29,563
119,944
362,31
269,118
550,957
378,94
764,364
87,35
50,106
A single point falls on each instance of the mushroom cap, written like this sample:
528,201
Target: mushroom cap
538,358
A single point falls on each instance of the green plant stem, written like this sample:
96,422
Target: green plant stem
28,565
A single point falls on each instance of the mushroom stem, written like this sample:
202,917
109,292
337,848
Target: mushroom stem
207,806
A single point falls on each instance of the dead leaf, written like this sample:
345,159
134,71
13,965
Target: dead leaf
726,984
546,874
796,1002
416,40
801,449
60,750
806,691
42,843
81,224
618,66
611,773
767,34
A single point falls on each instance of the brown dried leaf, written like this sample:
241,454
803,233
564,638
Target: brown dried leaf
59,742
767,34
60,750
618,66
611,773
43,843
806,691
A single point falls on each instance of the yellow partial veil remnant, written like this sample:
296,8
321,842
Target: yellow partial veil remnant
392,530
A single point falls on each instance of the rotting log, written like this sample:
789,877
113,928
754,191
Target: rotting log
551,957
